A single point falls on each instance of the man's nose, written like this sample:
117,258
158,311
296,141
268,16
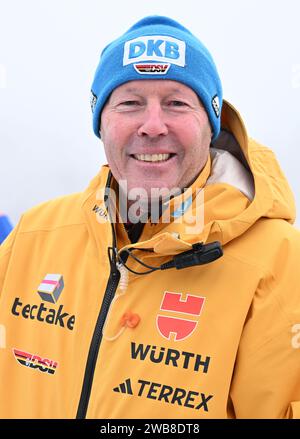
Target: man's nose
153,123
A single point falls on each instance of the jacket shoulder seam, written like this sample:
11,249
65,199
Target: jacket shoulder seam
249,263
51,229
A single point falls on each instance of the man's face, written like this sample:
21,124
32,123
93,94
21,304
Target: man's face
156,134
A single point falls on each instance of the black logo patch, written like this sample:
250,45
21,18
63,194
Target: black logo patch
216,105
93,101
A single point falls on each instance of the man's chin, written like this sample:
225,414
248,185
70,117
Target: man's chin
148,188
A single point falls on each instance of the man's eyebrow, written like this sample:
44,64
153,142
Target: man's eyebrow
138,91
131,90
176,90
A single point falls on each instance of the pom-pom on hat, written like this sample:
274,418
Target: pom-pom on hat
158,47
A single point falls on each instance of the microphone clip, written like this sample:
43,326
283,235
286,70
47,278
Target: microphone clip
199,255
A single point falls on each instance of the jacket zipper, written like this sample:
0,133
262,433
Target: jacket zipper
110,291
111,288
96,341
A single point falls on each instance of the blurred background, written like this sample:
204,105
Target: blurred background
48,54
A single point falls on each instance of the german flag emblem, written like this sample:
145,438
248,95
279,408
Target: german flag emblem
35,361
152,69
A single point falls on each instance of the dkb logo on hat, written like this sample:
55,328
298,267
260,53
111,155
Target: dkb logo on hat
155,48
158,48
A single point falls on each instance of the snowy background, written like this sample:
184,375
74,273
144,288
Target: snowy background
48,54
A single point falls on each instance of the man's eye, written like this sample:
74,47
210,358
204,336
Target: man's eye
177,104
130,103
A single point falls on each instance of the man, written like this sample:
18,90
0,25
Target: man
169,288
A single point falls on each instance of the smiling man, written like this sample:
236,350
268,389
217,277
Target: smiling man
193,312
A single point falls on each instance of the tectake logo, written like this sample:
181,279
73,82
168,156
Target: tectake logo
51,287
180,327
159,48
49,290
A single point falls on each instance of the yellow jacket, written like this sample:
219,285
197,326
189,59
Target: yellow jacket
82,337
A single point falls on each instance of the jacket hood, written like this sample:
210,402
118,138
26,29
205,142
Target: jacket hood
271,193
242,182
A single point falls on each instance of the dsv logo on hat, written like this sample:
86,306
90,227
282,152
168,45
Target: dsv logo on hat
154,48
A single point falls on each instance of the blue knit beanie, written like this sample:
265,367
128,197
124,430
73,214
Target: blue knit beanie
158,48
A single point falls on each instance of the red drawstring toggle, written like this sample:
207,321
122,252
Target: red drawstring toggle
129,319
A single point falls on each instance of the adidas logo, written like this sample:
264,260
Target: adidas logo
162,392
124,387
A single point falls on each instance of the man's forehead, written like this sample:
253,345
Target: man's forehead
152,85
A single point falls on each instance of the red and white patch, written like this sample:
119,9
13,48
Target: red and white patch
180,327
35,362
